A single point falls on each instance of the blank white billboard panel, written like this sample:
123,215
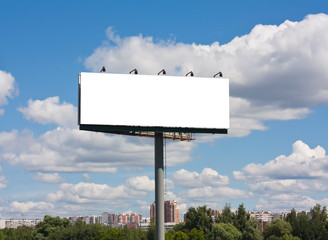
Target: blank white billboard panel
155,102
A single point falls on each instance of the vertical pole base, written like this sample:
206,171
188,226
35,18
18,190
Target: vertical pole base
159,186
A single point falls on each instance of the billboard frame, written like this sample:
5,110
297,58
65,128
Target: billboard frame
88,125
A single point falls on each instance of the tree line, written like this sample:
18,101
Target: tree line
199,224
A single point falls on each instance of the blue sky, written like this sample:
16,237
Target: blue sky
274,53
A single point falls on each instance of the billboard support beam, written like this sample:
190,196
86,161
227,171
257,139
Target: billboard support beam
159,186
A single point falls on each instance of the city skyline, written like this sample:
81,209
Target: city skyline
273,157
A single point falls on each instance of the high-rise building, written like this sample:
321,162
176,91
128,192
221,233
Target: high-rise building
171,211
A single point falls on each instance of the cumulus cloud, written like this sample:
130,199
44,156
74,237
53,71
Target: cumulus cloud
208,177
302,163
50,110
217,193
72,150
24,207
91,193
142,183
275,72
208,186
285,202
285,180
48,178
8,89
37,209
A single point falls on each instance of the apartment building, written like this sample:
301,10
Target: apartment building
13,223
171,211
133,220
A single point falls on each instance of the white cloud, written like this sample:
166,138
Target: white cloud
25,207
71,150
182,208
37,209
142,183
48,178
50,110
7,88
302,163
208,186
283,182
276,72
288,186
93,193
208,177
3,182
285,202
216,193
87,178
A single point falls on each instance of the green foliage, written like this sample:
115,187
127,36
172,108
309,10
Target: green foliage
277,228
309,227
179,227
10,234
196,234
199,218
151,233
318,223
50,226
180,236
169,234
110,233
225,231
226,215
241,218
252,231
24,233
285,237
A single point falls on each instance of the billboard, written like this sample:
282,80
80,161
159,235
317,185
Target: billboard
154,103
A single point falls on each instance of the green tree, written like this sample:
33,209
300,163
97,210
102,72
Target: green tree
178,227
199,218
10,234
225,231
226,216
50,225
277,228
196,234
252,231
285,237
241,218
169,234
292,218
151,232
302,228
318,223
24,233
110,233
180,236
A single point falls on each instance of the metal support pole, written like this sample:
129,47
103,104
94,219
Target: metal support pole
159,186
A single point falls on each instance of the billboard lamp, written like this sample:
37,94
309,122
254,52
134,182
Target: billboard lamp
162,71
219,73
